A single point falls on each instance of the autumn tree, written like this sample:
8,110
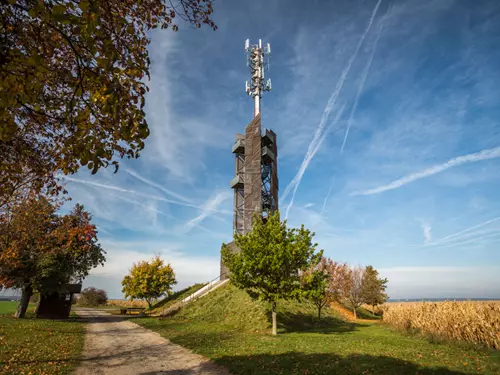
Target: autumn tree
270,260
374,288
149,280
41,250
354,294
72,83
326,282
93,297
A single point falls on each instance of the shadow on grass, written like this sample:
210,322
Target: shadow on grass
300,322
324,363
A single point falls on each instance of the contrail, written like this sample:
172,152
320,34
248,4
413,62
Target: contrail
361,86
444,239
331,102
149,196
487,154
327,196
154,184
469,241
305,163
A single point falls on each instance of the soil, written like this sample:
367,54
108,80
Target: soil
116,346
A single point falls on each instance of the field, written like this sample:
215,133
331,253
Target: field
8,307
37,346
466,321
234,331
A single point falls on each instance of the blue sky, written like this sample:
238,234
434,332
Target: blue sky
387,117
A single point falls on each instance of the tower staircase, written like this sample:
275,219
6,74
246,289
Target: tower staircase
210,287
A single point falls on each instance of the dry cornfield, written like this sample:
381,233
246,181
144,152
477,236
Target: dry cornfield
476,322
126,303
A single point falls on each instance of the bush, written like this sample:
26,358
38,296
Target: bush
92,297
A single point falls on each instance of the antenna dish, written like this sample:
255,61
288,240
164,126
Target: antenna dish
260,43
247,44
268,48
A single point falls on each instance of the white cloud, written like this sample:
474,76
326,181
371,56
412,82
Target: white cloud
426,228
120,257
470,158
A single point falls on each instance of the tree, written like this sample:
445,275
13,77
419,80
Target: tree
354,293
93,297
149,280
374,288
40,250
315,288
72,87
326,282
270,260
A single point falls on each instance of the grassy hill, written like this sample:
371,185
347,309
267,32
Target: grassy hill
233,330
175,297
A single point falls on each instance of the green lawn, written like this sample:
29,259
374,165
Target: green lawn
38,346
231,329
8,307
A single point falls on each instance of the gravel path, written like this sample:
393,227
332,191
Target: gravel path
117,346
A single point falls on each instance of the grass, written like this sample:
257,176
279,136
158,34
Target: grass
8,307
38,346
234,331
175,297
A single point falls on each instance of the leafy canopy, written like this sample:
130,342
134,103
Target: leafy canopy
270,260
43,250
149,280
72,83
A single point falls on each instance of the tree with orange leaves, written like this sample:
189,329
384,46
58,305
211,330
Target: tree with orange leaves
41,250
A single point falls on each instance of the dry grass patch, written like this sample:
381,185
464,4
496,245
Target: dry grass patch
476,322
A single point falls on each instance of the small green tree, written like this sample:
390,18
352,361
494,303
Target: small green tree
374,288
270,260
149,280
325,283
315,288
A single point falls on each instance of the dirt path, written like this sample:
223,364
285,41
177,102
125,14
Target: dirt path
116,346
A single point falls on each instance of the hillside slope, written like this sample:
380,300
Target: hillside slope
233,308
230,328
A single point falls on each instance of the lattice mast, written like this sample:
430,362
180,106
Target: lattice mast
258,61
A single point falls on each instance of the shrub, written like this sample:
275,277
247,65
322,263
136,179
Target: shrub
92,297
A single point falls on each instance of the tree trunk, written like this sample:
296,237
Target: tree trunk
319,312
149,304
23,303
354,312
274,319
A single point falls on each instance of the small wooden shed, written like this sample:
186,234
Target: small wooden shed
58,305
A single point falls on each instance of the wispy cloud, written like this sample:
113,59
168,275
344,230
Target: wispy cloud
305,163
318,135
426,229
361,86
123,190
208,209
455,162
157,186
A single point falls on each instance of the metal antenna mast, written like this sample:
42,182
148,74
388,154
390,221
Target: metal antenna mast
258,63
